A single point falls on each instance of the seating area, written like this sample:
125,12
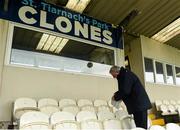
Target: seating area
82,114
168,107
168,110
49,106
49,113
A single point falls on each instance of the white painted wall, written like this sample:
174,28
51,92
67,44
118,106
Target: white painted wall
164,53
146,47
35,83
160,51
23,82
1,53
3,34
133,51
157,91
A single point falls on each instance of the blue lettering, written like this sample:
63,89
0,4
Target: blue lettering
53,10
75,17
106,27
70,16
58,12
81,19
99,25
44,5
64,13
25,2
87,21
94,22
31,3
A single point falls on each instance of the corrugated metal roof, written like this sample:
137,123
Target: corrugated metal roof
154,14
175,41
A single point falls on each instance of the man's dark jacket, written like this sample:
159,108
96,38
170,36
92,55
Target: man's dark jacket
131,92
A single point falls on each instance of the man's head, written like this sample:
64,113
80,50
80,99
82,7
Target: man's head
114,71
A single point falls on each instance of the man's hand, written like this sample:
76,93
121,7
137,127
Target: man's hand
116,96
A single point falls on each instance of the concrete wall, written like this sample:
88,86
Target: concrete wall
166,54
3,34
157,91
1,53
146,47
160,51
27,82
133,51
23,82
